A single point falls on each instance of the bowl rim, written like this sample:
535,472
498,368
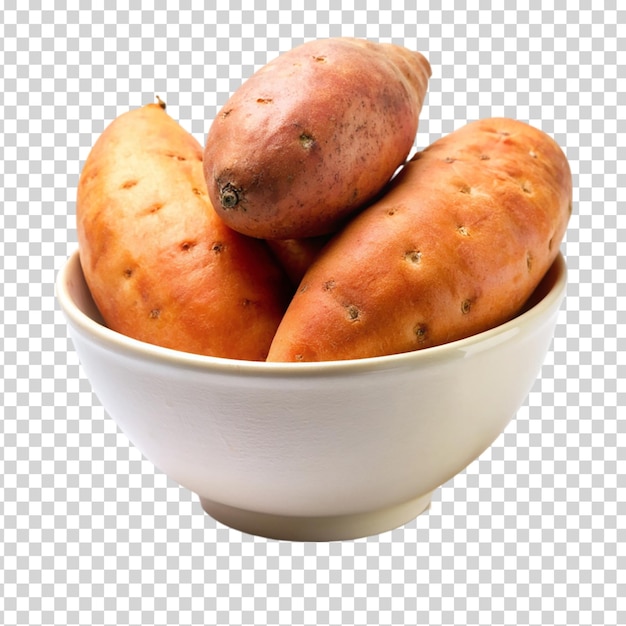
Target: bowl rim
129,346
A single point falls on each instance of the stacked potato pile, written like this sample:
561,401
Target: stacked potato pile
300,232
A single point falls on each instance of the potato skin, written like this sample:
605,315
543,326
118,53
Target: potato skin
314,135
297,255
456,246
160,264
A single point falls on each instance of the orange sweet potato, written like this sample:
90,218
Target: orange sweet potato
456,246
160,264
297,255
313,136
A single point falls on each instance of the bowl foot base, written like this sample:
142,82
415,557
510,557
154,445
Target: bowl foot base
331,528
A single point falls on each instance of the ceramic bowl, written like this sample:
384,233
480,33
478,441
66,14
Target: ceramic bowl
313,451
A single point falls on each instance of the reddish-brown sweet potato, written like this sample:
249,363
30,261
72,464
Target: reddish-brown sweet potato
160,264
313,135
456,246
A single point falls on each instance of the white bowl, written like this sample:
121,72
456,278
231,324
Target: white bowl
313,451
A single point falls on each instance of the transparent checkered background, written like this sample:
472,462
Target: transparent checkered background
533,532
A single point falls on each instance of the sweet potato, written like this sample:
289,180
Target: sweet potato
456,246
314,135
297,255
160,264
